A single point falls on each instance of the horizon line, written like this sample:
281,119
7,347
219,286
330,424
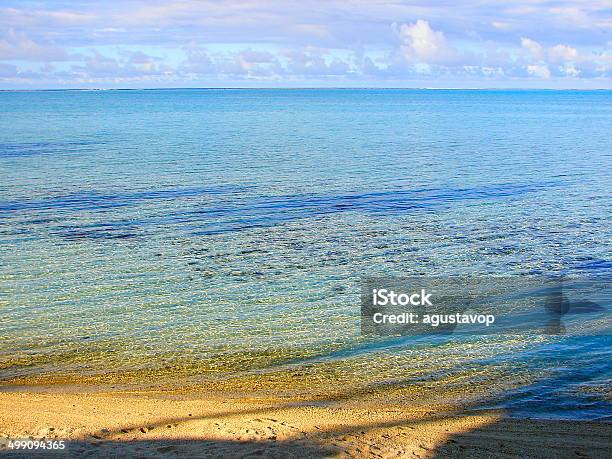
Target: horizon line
407,88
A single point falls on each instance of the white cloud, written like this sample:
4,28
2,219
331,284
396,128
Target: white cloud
501,25
422,44
533,47
198,61
16,45
315,62
539,71
564,61
569,70
562,53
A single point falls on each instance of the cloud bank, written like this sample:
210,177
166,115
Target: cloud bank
199,43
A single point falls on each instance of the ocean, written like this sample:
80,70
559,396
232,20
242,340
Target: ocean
200,235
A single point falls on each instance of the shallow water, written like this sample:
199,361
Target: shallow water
216,232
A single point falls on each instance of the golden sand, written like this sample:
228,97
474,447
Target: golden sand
206,424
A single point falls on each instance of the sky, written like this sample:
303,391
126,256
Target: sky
306,43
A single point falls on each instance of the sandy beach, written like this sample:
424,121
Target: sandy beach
173,424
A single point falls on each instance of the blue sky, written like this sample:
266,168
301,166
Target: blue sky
374,43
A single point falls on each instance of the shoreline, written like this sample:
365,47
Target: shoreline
179,423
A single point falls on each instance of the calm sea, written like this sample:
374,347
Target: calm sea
205,234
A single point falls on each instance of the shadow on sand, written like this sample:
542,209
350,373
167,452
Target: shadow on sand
398,433
504,438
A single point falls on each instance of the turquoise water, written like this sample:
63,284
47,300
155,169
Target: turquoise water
212,233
